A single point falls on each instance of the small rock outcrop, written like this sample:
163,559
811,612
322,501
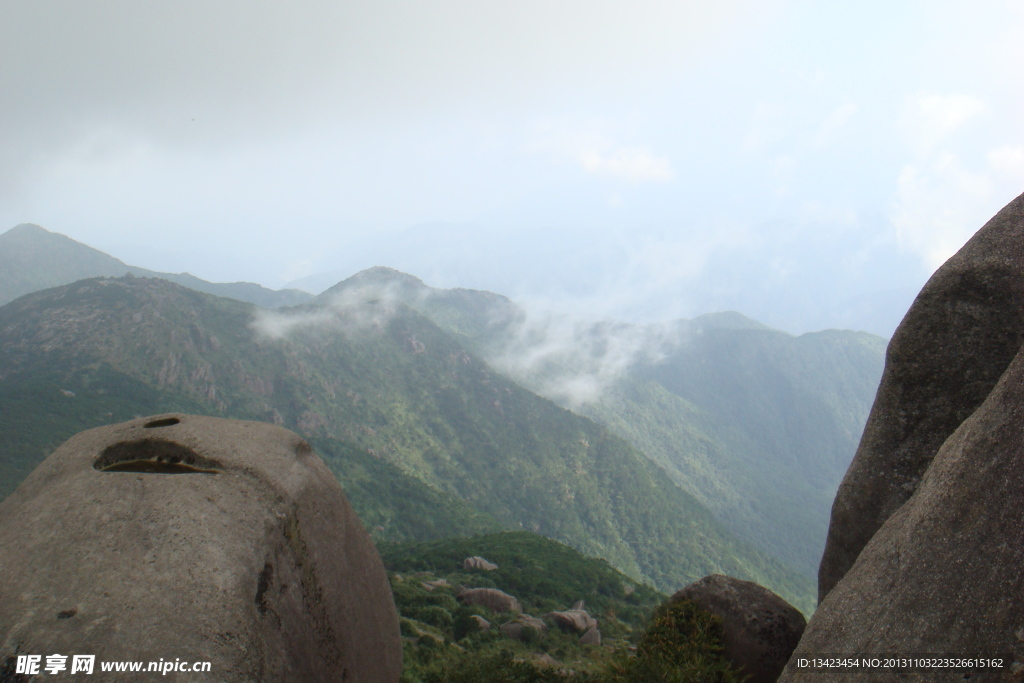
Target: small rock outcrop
491,598
591,637
760,628
197,538
517,629
575,620
481,623
477,562
957,339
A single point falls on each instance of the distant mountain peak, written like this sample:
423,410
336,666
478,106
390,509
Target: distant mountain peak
730,320
379,276
25,228
34,258
31,233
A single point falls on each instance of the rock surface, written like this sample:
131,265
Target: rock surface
591,637
477,562
481,623
575,620
491,598
760,628
195,538
961,333
943,574
517,629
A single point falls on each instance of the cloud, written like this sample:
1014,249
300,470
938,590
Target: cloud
633,164
601,148
574,361
354,310
215,73
930,119
948,190
1008,161
939,205
277,325
836,120
767,126
783,169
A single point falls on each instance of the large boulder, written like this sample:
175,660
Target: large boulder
518,628
943,574
574,620
197,538
477,562
491,598
958,337
591,637
760,629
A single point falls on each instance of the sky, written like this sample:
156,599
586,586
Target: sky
808,164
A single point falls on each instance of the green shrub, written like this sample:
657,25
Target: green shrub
682,644
499,667
435,616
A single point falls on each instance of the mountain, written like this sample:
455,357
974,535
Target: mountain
33,258
380,390
756,424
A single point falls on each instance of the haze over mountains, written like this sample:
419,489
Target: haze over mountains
721,447
33,258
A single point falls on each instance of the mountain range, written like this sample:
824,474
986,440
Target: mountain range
673,451
33,258
756,424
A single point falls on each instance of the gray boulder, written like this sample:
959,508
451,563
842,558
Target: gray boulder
481,623
196,538
491,598
943,574
591,637
575,620
958,337
517,629
477,562
760,629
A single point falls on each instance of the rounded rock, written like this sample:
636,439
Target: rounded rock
199,539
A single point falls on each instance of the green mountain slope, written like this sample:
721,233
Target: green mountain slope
759,425
756,424
383,379
33,258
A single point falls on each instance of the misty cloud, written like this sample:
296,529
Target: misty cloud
633,164
573,361
353,310
643,160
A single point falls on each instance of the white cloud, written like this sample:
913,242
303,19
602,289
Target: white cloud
295,270
939,205
633,164
600,148
354,310
1008,160
929,118
836,120
766,126
574,361
783,169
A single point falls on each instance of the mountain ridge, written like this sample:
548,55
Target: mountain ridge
34,258
387,380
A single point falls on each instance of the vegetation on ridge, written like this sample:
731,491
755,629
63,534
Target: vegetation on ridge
383,379
644,639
